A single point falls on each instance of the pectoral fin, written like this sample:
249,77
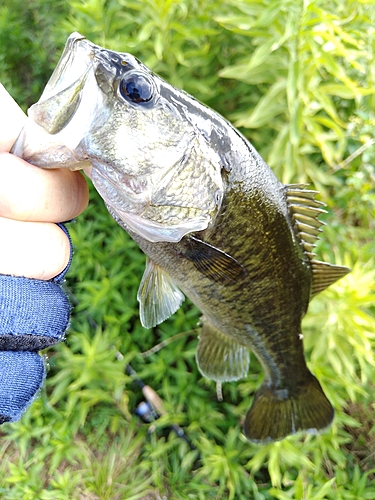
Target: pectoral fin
219,357
211,261
158,296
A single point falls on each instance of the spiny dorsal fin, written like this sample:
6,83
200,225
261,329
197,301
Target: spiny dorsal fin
325,274
158,296
305,210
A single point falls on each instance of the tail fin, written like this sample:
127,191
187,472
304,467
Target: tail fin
276,413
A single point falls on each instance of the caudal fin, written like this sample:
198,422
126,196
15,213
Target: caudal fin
277,413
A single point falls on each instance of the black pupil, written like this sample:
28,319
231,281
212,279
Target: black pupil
137,88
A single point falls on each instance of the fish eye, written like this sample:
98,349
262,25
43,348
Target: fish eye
136,87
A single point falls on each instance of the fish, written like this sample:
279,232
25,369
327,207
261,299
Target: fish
215,223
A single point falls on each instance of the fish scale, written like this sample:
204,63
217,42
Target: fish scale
212,218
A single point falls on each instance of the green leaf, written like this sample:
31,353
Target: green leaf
261,54
270,105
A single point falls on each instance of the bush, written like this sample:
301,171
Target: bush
298,79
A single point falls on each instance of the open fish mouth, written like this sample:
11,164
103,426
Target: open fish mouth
49,138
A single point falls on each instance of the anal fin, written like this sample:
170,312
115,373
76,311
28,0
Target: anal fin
158,296
219,357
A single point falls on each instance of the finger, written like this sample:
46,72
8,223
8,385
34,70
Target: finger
30,193
15,119
32,249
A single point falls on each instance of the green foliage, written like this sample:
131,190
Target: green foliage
29,49
298,78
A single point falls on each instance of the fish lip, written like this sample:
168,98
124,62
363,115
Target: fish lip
74,38
76,60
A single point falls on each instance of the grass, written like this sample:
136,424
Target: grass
297,78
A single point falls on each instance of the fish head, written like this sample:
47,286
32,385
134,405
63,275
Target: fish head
151,160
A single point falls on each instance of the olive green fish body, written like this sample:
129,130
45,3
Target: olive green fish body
261,309
212,218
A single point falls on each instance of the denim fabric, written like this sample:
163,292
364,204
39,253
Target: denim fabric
21,375
34,314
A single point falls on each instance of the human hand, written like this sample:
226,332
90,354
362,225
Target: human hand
34,311
32,200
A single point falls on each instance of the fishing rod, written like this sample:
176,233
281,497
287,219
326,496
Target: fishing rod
154,407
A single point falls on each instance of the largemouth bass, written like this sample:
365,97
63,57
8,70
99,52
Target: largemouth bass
212,218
